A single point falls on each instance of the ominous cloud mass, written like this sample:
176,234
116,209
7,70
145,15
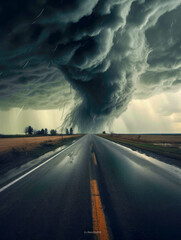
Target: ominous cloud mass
109,51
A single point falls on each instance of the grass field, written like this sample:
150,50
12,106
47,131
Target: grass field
15,151
168,145
29,143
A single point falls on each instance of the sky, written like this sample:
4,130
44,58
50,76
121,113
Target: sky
96,65
158,114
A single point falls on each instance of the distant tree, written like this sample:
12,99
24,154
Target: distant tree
42,132
67,131
53,132
26,130
71,131
29,130
104,132
37,132
46,131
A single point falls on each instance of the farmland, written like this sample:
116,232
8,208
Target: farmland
168,145
17,150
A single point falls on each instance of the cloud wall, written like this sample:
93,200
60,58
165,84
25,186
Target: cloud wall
108,51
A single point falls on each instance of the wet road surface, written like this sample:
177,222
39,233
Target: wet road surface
94,189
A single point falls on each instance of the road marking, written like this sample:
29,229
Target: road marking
32,170
99,220
94,158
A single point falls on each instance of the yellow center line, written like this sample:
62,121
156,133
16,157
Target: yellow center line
99,220
94,158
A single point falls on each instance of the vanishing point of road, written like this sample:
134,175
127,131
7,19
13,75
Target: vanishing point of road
94,189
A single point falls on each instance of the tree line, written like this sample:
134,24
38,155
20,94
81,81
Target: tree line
44,131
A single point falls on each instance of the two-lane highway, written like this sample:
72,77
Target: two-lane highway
95,189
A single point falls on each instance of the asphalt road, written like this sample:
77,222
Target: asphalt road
95,189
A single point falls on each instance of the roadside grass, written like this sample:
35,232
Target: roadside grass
18,156
171,152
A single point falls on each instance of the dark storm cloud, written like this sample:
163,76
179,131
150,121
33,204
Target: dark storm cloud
108,50
164,61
